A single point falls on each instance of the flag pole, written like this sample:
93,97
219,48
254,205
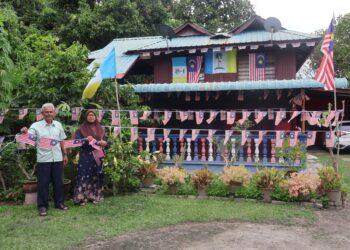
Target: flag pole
117,98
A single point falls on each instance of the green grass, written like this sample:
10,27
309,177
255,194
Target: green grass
22,228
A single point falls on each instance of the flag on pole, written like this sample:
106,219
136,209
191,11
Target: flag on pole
73,143
325,73
22,113
194,64
107,70
47,143
26,138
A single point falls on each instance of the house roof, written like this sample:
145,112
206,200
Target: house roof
243,85
195,28
129,49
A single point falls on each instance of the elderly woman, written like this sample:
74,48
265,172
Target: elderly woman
89,180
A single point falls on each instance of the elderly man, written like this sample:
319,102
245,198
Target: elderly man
50,162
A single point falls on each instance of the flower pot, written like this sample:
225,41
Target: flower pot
334,195
202,191
267,192
30,190
173,189
234,186
147,182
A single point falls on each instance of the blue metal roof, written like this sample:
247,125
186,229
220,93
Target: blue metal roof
243,85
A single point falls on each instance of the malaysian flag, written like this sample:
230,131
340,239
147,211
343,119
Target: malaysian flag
167,117
95,144
244,136
134,134
194,64
182,133
223,115
330,139
166,133
183,115
211,133
100,115
75,113
199,117
311,137
115,118
293,138
2,116
260,116
212,116
134,117
279,138
22,113
325,73
73,143
230,117
295,114
245,116
116,131
257,65
150,134
47,143
26,138
145,115
38,114
98,156
228,134
195,133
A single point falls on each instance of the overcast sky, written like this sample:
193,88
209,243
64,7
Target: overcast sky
302,15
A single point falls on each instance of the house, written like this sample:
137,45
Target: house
247,74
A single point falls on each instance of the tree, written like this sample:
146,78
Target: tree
214,15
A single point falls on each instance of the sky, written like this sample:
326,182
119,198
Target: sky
302,15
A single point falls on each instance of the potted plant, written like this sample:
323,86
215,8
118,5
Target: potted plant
201,179
235,176
267,179
148,169
331,183
301,185
173,177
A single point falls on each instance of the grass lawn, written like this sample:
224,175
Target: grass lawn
22,228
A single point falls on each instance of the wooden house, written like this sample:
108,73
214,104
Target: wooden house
248,71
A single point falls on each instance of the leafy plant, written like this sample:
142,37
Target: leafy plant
202,177
172,175
330,179
268,178
301,185
324,201
149,168
122,165
291,154
234,174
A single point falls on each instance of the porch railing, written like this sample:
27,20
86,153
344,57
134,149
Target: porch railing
212,152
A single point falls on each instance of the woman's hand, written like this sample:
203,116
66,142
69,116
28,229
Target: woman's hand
102,143
90,138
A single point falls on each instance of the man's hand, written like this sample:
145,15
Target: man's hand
102,143
24,130
65,160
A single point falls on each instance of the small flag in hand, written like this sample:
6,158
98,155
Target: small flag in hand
73,143
26,138
47,143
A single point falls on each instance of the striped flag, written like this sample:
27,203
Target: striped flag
330,139
134,117
115,118
325,73
38,115
22,113
98,156
293,138
199,117
194,64
47,143
73,143
26,138
257,65
311,137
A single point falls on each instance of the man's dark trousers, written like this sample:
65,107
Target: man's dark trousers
46,172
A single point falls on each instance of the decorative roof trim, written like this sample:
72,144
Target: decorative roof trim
242,85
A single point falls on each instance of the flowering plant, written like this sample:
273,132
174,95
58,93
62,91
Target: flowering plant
268,178
330,179
233,174
202,177
172,175
149,167
302,184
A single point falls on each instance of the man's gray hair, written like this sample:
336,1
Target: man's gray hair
47,105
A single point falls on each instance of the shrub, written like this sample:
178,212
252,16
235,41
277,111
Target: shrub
202,177
172,175
302,184
268,178
330,179
234,174
218,188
